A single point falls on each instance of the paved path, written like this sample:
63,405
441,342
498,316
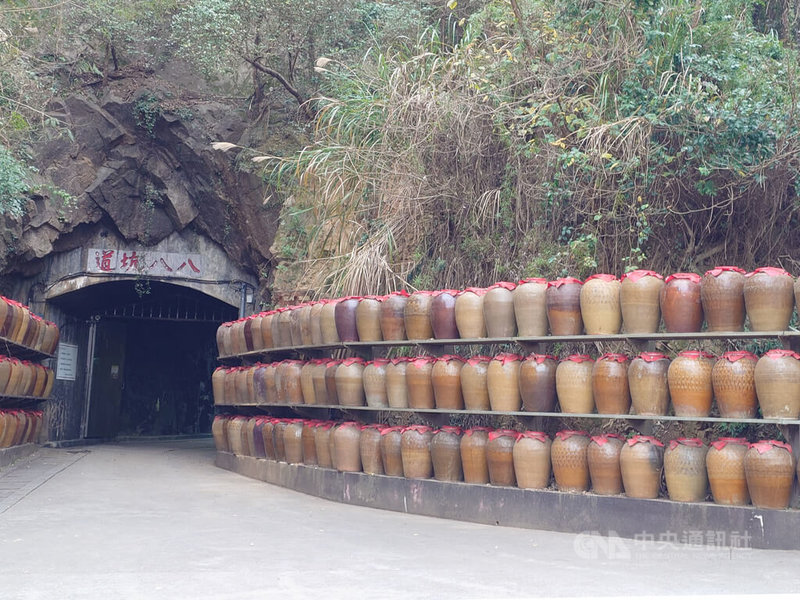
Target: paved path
157,520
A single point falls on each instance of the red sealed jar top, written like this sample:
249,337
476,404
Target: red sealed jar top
503,284
422,293
350,424
399,293
376,298
421,361
452,293
579,358
766,445
472,430
557,283
228,324
717,271
449,429
379,362
449,357
568,433
693,442
540,436
474,290
735,355
401,359
376,426
353,360
418,428
638,274
478,359
385,430
507,357
639,439
620,358
497,433
695,354
532,280
693,277
771,271
348,299
652,356
779,353
602,439
602,277
540,358
724,441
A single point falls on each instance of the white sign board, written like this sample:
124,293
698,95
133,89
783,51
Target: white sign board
67,362
138,262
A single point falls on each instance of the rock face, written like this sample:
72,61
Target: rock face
140,161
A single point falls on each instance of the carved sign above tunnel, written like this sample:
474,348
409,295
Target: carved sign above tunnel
149,263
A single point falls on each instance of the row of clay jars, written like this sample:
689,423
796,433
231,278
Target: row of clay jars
739,381
21,326
22,378
20,427
606,464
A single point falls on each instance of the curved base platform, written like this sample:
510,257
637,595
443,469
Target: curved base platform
664,521
11,455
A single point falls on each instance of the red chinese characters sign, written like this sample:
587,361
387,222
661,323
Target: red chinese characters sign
153,264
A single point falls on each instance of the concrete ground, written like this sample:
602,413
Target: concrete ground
158,520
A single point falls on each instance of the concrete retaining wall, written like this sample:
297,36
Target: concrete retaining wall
11,455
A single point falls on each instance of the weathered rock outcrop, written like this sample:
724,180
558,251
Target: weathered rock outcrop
140,162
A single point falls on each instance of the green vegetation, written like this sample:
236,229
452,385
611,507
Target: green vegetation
552,138
13,184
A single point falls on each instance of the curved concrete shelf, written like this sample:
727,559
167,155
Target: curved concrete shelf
613,516
16,350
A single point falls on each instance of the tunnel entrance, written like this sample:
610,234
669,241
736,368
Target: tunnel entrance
150,356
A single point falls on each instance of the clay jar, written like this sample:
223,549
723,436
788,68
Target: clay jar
647,381
293,442
563,300
602,456
640,461
689,380
502,380
769,468
777,379
722,295
530,307
368,319
469,313
327,324
345,316
474,386
322,433
685,470
680,303
391,454
531,456
443,315
217,432
639,298
610,389
418,316
537,382
305,324
350,382
318,379
446,454
347,446
309,445
574,384
415,448
396,388
498,310
370,450
570,466
287,378
769,299
733,380
307,383
315,314
473,455
418,383
500,457
393,307
266,329
217,381
446,382
374,379
725,468
600,308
